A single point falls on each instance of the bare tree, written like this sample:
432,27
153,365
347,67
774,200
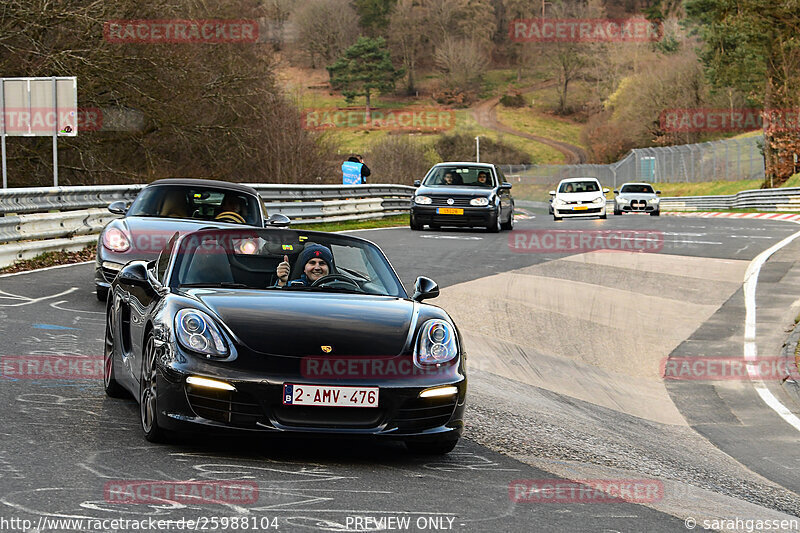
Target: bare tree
278,12
407,37
325,29
462,60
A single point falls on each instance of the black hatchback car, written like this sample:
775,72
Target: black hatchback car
463,194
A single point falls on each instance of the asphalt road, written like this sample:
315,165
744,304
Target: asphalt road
61,442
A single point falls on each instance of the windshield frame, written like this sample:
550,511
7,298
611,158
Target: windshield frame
437,170
388,278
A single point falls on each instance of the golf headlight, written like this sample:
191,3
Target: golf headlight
654,200
116,240
197,332
479,202
436,343
559,201
599,200
422,200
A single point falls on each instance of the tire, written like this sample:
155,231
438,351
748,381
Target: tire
415,226
494,224
656,213
101,293
110,384
603,217
148,394
510,224
617,212
431,447
557,219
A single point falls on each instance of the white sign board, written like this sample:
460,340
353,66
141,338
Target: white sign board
39,106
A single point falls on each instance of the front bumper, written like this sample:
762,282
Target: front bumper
256,405
568,211
470,216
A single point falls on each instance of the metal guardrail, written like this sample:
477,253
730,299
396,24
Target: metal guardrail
781,199
30,227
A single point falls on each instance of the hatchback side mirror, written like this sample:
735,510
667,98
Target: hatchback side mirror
605,190
552,193
118,208
425,288
505,185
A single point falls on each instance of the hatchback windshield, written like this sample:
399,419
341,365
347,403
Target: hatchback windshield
579,186
251,260
176,201
467,176
637,188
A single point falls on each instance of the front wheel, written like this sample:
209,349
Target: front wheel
101,293
603,216
557,219
110,384
494,224
148,393
415,226
510,224
656,213
432,447
617,212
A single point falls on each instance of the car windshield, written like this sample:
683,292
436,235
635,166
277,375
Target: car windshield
579,186
250,259
467,176
636,188
183,201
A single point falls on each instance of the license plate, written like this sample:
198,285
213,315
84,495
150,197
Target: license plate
449,211
580,208
329,396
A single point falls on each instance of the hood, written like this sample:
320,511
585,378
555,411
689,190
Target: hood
297,323
149,235
579,196
460,190
646,195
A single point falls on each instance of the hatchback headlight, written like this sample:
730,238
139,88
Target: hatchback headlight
479,202
599,200
436,343
559,201
197,332
422,200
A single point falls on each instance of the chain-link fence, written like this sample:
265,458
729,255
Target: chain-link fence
726,160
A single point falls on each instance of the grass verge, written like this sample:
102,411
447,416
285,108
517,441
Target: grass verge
49,259
346,225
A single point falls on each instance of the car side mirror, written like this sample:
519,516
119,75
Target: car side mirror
417,183
616,191
658,192
552,193
278,220
605,190
118,208
425,288
134,274
505,185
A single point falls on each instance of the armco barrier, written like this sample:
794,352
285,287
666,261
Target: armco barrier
781,199
39,220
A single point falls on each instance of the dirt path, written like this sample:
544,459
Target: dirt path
486,116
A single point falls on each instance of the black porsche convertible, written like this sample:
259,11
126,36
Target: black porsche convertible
213,334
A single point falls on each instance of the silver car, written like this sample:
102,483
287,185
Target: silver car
637,198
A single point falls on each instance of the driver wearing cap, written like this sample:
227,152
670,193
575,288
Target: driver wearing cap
318,261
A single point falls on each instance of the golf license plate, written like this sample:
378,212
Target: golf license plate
580,208
449,211
329,396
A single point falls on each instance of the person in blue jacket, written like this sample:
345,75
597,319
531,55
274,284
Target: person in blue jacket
318,261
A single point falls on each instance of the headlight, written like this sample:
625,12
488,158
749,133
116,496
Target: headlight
621,200
559,201
436,343
600,200
479,201
422,200
654,200
197,332
116,240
